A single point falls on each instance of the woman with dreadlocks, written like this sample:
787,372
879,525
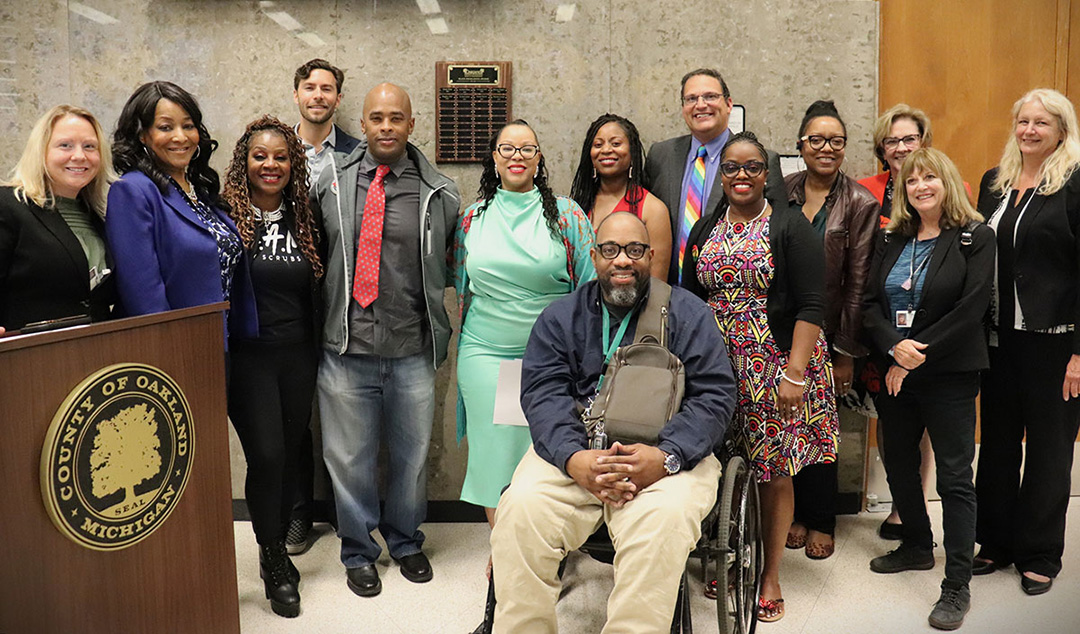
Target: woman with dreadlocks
609,179
273,374
516,250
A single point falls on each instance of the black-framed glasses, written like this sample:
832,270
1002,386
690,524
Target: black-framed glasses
711,98
611,250
507,150
911,141
752,168
817,142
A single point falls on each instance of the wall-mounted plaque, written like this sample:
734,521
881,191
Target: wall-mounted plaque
472,101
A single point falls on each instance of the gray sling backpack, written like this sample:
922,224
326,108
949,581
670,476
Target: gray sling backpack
644,382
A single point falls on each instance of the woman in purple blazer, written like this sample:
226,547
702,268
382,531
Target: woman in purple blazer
172,243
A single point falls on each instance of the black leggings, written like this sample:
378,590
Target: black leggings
815,497
270,397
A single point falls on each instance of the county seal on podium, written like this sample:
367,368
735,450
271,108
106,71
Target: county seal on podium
117,456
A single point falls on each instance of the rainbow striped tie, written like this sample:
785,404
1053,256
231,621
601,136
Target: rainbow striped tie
692,210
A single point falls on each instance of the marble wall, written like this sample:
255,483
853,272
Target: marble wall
621,56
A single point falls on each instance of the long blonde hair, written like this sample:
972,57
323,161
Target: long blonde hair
1060,165
30,177
956,208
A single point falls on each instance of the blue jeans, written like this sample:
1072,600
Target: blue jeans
361,398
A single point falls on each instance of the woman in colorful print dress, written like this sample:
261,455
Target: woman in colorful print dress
762,271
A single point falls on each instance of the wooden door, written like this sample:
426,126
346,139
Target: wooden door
965,62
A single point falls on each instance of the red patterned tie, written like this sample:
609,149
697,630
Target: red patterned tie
366,280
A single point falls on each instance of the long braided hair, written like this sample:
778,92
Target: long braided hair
587,182
297,214
489,182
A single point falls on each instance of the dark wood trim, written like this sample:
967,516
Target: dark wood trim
19,342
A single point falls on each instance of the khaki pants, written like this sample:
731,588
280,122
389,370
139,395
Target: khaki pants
545,514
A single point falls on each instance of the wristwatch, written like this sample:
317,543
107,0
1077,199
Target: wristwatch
672,464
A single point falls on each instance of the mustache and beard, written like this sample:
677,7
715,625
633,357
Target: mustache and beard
623,295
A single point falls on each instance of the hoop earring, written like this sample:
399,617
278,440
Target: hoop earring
595,176
630,174
147,151
198,150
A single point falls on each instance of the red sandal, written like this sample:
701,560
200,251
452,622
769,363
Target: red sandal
770,610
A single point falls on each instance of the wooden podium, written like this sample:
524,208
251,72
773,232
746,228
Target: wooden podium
182,576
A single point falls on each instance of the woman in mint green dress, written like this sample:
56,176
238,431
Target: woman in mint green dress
516,250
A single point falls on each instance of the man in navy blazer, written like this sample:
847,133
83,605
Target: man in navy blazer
706,107
317,93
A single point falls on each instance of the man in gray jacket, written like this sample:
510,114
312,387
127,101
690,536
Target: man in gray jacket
388,221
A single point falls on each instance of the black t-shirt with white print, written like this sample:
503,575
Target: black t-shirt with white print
282,280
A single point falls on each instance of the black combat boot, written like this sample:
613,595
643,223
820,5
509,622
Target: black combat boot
280,578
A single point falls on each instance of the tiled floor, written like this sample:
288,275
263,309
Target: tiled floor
838,595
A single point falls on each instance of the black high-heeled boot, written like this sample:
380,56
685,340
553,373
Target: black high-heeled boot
278,580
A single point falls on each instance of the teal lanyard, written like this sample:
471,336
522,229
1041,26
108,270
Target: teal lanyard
611,345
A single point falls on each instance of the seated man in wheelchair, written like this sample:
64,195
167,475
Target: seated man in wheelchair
652,497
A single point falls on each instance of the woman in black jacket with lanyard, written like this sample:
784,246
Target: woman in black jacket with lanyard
926,297
1032,201
762,271
53,260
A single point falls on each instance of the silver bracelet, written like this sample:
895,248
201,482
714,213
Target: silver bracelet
784,376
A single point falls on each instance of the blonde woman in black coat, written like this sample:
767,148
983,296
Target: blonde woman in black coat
53,258
1032,201
927,294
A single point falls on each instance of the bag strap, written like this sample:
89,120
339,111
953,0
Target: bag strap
966,235
650,323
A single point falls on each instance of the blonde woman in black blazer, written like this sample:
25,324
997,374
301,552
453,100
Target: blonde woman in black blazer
927,294
1032,200
53,259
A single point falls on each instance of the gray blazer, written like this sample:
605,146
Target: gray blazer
665,167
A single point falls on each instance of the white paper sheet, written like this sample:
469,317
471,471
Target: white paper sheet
508,395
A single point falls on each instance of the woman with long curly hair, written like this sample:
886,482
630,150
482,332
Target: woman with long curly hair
516,250
273,373
172,243
609,179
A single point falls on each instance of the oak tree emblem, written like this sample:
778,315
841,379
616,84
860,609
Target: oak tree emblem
126,452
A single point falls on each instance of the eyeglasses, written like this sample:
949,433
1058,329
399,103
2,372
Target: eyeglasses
507,150
611,250
817,142
909,141
710,98
752,168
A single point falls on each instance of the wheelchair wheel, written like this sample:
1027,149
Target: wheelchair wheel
739,550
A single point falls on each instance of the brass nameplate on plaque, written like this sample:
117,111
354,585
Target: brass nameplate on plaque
486,75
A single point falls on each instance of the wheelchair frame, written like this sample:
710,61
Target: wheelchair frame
730,546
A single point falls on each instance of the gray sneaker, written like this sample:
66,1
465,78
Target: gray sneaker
298,538
949,611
